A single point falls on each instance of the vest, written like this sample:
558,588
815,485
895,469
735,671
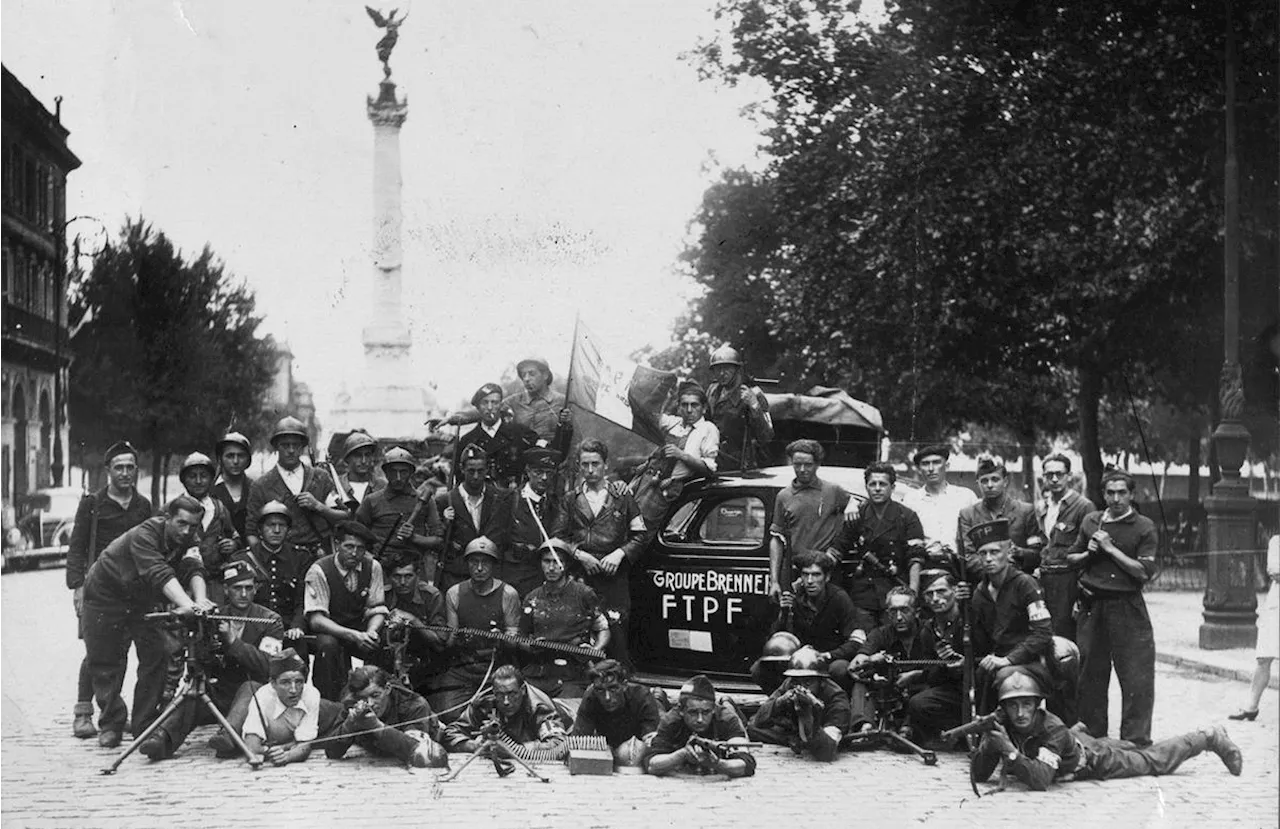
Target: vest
347,608
480,612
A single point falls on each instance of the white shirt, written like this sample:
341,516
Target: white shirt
209,511
272,708
940,514
474,505
702,440
358,489
595,498
292,479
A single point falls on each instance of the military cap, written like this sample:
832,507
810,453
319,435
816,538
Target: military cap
360,531
481,546
196,460
398,455
484,391
535,361
286,661
120,447
989,533
233,439
274,508
237,571
928,577
990,463
357,440
698,687
471,452
540,458
940,449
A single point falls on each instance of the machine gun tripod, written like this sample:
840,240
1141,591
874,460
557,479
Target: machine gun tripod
890,704
198,648
491,746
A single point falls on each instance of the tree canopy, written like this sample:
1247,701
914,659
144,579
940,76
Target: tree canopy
166,352
991,212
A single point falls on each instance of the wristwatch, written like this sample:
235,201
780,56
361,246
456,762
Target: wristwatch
1011,756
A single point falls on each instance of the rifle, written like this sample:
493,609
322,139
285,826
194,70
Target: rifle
784,577
966,681
979,725
382,548
719,748
456,420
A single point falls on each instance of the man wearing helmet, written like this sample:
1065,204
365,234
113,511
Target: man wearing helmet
769,671
233,454
808,712
307,492
475,507
281,569
412,521
561,610
739,410
344,606
218,538
1037,749
482,602
358,482
539,407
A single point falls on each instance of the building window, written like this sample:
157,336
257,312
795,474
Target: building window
44,191
29,189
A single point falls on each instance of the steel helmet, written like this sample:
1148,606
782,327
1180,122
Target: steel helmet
290,426
805,662
481,546
726,355
429,754
1019,684
274,508
197,459
779,647
357,440
233,439
399,455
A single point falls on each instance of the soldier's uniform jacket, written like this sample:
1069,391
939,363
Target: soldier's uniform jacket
504,448
885,535
1015,623
726,410
495,524
112,521
536,720
673,734
306,529
281,578
134,568
775,715
244,660
1050,751
381,511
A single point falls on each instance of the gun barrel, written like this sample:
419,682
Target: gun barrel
980,725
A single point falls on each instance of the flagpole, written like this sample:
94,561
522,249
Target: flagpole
573,347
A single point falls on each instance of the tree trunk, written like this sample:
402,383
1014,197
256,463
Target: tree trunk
1027,444
157,459
164,486
1090,455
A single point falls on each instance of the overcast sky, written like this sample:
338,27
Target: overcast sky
553,155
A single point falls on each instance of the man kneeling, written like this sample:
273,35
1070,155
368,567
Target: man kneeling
1041,749
387,719
623,712
809,712
698,715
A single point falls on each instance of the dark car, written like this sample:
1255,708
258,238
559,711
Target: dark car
700,600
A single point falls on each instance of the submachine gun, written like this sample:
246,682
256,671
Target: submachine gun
201,651
881,675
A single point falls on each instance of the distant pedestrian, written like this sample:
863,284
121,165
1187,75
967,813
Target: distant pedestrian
1268,647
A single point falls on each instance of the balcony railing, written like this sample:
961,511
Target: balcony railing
21,324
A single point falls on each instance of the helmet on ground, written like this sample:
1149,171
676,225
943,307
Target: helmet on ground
196,460
290,426
1066,657
398,455
726,355
429,754
1019,684
356,441
481,546
271,508
805,662
779,647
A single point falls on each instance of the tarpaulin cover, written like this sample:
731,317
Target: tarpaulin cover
821,404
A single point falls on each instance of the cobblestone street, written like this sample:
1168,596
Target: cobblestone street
51,779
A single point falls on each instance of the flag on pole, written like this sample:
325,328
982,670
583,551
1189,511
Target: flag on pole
615,388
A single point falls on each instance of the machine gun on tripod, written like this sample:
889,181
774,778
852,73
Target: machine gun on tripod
494,745
201,651
881,675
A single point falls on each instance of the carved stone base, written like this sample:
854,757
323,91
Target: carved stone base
1230,602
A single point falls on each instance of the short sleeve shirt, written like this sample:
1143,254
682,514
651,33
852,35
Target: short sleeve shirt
809,517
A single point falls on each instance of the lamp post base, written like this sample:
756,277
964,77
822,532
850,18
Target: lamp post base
1230,602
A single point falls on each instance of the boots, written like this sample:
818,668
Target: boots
82,725
1221,744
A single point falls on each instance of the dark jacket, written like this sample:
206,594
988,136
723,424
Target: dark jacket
1063,534
780,717
1015,623
638,716
306,528
136,566
827,625
243,660
1023,529
1136,537
1048,752
505,450
495,524
99,521
239,509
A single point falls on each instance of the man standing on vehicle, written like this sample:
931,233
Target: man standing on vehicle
739,410
503,443
607,534
807,515
1117,549
539,407
1060,514
938,504
880,548
996,504
101,518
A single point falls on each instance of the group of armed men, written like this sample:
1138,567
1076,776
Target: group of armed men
501,604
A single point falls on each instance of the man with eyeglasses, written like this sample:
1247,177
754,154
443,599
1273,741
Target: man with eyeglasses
1060,514
101,518
901,637
344,603
524,714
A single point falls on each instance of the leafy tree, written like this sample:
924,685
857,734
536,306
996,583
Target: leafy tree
166,351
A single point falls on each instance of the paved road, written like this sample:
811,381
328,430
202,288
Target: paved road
51,779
